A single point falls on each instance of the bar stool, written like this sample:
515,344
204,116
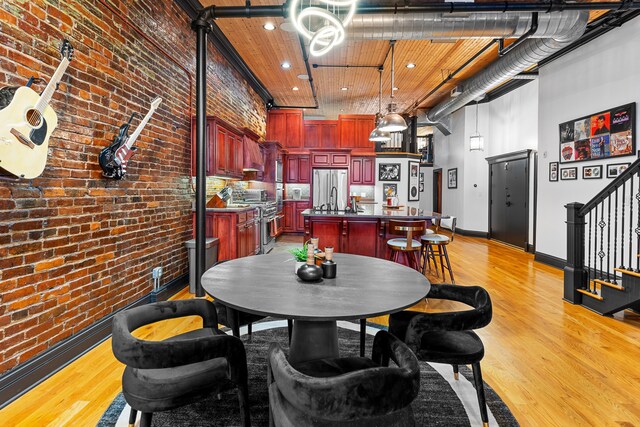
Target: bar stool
407,246
439,242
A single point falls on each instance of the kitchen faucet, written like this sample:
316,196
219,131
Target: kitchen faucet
335,208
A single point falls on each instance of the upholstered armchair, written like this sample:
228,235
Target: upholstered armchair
448,337
162,375
348,391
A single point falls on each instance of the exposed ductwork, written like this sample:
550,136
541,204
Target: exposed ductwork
519,59
439,26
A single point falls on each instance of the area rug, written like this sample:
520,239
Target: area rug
442,401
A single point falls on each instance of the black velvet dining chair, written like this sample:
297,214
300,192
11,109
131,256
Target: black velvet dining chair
163,375
348,391
448,337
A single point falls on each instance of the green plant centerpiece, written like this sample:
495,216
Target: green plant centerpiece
299,254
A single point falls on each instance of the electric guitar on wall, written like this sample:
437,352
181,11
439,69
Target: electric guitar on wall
113,159
26,123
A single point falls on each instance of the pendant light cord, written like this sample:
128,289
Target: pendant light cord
477,118
393,67
380,92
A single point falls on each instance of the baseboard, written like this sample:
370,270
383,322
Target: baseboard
550,260
472,233
29,374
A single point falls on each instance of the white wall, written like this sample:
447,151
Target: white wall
602,74
403,184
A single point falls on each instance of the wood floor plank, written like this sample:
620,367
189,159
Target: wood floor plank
553,363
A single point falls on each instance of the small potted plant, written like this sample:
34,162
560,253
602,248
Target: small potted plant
299,256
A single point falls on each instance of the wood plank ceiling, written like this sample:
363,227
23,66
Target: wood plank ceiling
264,52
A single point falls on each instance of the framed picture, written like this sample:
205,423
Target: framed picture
553,171
452,178
389,172
567,174
422,187
615,169
389,190
421,177
592,172
414,172
605,134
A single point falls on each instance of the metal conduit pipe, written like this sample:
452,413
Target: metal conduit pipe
521,58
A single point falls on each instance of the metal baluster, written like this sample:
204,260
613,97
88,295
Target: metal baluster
615,238
624,187
608,236
595,245
601,253
638,228
630,224
589,254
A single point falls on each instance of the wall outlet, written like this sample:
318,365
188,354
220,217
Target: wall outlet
156,272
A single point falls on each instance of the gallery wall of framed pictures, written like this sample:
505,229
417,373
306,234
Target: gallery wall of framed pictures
602,135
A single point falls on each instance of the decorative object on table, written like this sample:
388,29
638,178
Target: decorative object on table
592,172
27,121
389,191
414,169
553,171
299,256
452,178
329,267
608,133
389,172
310,272
568,174
114,158
615,169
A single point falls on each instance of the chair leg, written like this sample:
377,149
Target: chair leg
363,334
423,254
440,254
477,379
290,328
243,399
455,372
446,256
145,419
132,417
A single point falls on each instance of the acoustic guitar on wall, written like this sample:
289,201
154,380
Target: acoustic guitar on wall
113,159
27,122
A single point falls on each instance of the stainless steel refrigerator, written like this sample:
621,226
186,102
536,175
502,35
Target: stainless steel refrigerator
326,180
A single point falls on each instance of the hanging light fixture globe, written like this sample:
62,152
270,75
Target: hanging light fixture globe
377,135
392,122
476,141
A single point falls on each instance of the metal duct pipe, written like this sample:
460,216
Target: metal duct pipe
521,58
439,26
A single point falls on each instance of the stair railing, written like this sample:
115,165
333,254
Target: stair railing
594,231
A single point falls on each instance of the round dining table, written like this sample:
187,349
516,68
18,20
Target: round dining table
266,285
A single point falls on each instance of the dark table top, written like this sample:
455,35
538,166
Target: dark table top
377,211
267,285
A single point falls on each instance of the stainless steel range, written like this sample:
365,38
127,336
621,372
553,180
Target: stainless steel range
269,220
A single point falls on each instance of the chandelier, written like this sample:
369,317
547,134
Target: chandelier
322,26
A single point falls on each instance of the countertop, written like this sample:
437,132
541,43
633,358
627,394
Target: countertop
377,211
230,209
295,200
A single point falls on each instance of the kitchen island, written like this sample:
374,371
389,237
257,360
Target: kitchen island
363,233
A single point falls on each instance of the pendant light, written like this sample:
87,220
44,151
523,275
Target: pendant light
376,134
476,141
392,122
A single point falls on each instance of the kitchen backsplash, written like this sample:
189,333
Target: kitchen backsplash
366,191
289,191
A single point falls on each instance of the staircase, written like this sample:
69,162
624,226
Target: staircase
603,242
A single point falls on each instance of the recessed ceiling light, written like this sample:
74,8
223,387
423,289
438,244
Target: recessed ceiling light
344,88
342,109
411,65
285,65
269,26
294,88
303,76
395,88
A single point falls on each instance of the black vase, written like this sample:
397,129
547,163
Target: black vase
310,273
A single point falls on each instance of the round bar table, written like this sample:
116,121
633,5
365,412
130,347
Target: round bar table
364,287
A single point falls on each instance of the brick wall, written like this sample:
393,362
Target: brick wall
75,246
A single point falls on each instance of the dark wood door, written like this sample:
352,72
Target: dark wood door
509,216
220,160
300,206
437,190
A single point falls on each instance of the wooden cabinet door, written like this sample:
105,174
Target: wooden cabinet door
276,126
340,159
321,159
364,127
257,236
348,129
356,170
289,217
294,137
362,237
220,156
328,231
368,170
300,206
225,231
291,171
329,134
312,135
238,155
304,169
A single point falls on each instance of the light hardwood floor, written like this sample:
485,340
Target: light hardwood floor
553,363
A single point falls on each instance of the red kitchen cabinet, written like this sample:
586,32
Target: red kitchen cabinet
223,148
363,237
298,169
300,206
363,170
238,233
321,134
354,131
289,217
329,232
286,127
330,158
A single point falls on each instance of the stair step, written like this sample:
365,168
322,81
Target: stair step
609,284
595,296
629,272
